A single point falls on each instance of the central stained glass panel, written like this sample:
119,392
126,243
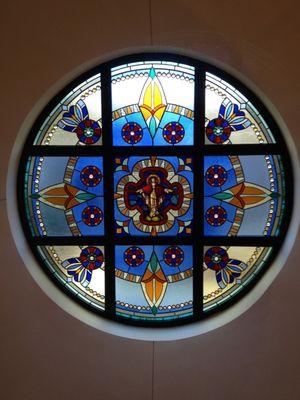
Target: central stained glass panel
154,190
153,196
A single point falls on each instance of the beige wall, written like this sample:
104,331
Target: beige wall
47,354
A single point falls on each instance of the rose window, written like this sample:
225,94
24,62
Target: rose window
153,190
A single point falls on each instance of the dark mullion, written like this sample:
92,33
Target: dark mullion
107,240
69,240
234,149
115,151
108,162
259,241
199,120
242,149
153,151
155,241
67,151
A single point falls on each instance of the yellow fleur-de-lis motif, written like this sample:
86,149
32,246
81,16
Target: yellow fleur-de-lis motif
152,102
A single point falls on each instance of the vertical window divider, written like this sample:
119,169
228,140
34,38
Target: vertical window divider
108,162
199,131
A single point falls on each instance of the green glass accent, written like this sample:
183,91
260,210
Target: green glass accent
88,132
152,126
154,310
35,196
218,130
222,196
84,196
153,263
152,73
274,195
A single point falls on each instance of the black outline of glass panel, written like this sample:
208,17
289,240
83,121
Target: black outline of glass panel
197,151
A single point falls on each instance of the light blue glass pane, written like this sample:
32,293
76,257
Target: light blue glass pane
231,118
155,95
126,134
228,271
244,195
154,282
67,122
168,135
65,196
80,269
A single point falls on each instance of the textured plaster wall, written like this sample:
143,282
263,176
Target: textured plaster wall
46,353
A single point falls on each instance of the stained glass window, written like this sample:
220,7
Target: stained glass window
155,189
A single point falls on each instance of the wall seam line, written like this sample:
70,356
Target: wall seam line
150,22
153,359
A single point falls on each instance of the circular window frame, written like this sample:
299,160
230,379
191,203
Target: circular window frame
191,326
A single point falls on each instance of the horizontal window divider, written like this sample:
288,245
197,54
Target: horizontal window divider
67,151
207,150
69,240
154,151
113,150
242,149
259,241
155,241
108,241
